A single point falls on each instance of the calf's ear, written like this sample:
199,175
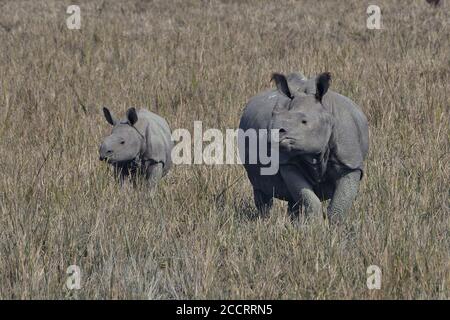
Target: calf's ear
282,84
109,117
322,85
132,116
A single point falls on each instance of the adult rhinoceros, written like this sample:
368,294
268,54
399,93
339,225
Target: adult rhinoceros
323,141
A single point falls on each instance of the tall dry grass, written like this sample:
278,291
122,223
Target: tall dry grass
197,237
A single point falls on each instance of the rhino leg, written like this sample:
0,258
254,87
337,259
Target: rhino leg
263,202
301,191
153,173
310,202
344,195
293,209
120,175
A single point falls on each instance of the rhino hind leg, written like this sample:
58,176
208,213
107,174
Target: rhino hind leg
344,195
263,202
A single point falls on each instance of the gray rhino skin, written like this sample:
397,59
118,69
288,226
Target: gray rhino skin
141,144
323,141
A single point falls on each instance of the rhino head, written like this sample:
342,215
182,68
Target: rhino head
304,125
125,142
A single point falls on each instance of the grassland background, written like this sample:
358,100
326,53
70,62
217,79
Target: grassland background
198,237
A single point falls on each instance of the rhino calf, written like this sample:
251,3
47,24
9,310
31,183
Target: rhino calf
323,140
141,144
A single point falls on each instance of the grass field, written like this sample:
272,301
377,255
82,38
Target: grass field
198,236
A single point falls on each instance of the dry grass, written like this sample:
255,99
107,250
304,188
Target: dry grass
201,60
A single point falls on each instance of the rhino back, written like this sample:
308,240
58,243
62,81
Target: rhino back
258,111
158,135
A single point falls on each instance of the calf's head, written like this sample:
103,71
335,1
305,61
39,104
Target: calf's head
125,142
304,124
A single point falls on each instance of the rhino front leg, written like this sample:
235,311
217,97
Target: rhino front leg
153,174
301,191
344,195
120,175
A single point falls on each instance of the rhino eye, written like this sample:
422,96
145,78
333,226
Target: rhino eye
304,121
122,142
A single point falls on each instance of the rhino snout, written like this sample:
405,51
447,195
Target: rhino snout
105,153
280,136
287,143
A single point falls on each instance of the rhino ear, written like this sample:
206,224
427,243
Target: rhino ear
282,84
322,85
132,116
109,117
